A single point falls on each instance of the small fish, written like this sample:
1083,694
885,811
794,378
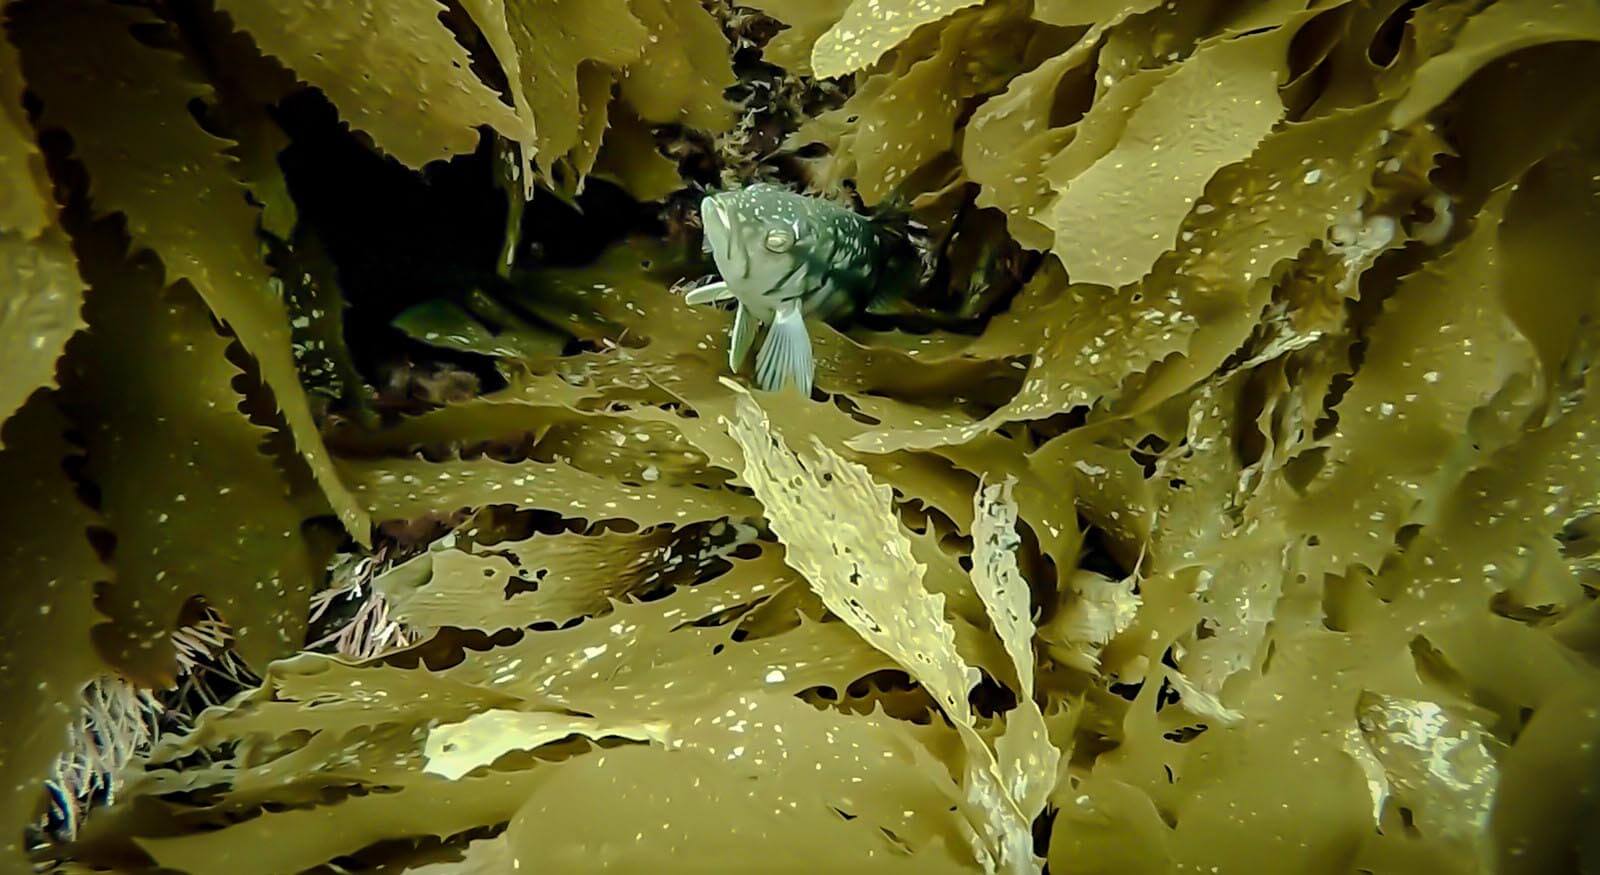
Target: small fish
785,257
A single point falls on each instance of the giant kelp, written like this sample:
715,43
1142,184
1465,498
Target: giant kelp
1224,499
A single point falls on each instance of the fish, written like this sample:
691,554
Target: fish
784,258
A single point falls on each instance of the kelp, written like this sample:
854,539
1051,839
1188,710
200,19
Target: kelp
41,309
49,608
1223,501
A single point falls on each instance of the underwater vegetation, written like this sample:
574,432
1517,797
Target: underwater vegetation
1214,491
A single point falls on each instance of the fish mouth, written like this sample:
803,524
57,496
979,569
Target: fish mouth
719,232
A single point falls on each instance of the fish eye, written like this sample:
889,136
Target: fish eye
779,240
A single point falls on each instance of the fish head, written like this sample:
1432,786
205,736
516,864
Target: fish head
758,237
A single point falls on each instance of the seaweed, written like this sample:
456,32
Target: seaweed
1220,496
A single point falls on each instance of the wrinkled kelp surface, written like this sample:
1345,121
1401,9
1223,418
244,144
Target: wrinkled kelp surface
1224,500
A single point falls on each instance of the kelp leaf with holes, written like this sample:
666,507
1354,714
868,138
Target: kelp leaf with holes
126,106
864,33
839,530
631,665
404,489
685,67
680,811
1115,219
550,578
1442,349
392,68
1027,759
46,656
196,507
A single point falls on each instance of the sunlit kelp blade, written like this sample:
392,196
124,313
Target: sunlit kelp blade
127,106
863,33
39,309
806,20
47,655
28,208
395,71
1110,228
38,313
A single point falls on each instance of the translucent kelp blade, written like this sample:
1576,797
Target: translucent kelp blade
127,108
196,507
1109,228
29,206
542,44
1027,759
403,489
454,749
393,70
1442,349
596,82
680,811
685,67
807,21
39,309
46,656
864,33
1499,30
1542,784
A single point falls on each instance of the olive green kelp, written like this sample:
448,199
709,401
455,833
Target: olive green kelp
1238,513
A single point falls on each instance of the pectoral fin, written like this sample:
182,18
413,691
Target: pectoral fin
786,356
744,337
709,294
